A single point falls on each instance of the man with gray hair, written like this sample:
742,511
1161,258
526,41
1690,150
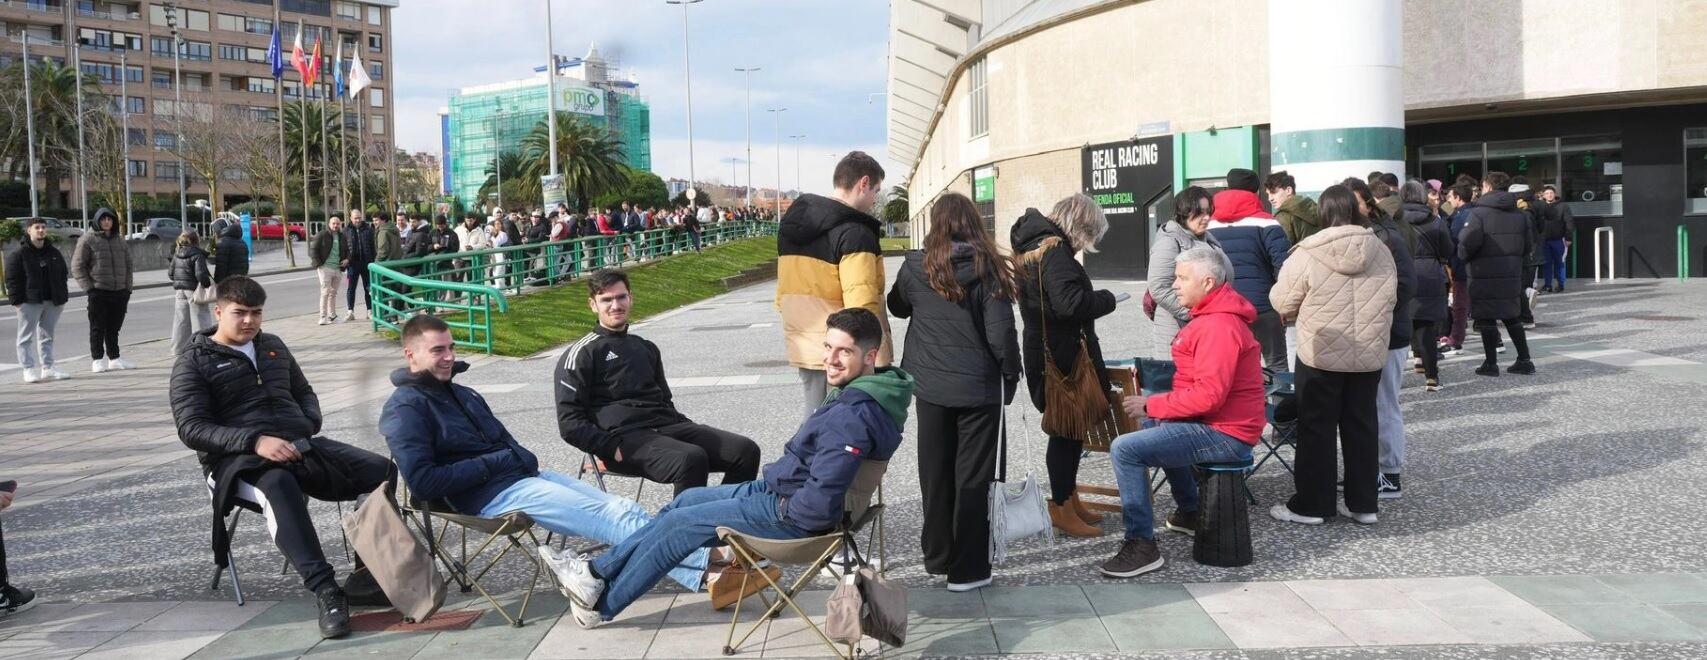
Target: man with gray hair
1213,414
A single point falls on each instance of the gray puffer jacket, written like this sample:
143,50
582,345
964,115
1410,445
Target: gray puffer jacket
101,260
1171,240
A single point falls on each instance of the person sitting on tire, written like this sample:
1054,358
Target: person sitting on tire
1213,414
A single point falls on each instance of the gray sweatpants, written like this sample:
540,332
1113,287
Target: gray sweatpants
814,386
1389,418
35,328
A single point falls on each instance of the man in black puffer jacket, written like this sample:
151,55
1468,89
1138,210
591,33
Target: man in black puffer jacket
240,400
231,254
1495,246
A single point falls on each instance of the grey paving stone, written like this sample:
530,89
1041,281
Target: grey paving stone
1694,614
789,637
400,646
217,616
1040,602
1609,622
155,645
939,603
1659,588
616,639
263,643
1394,627
1149,630
52,644
1560,589
1142,599
949,638
699,640
1052,635
1510,624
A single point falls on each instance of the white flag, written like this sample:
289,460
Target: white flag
359,79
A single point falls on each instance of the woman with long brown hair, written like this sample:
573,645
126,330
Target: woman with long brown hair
964,352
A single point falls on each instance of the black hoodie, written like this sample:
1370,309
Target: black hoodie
828,259
1066,289
1495,245
231,255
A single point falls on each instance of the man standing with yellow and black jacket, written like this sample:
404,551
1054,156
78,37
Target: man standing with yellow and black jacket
828,258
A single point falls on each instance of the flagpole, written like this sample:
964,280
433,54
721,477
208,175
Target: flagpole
278,97
343,151
302,125
325,172
361,152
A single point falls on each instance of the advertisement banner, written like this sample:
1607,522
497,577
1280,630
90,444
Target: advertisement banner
1130,180
552,187
579,99
984,184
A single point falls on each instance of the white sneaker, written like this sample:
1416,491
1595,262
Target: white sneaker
50,373
1284,514
350,316
119,364
1359,518
30,376
98,366
325,320
958,587
574,578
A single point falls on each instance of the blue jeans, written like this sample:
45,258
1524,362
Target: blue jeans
567,506
688,525
1555,255
1174,447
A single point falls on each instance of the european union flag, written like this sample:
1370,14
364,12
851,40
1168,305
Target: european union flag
275,54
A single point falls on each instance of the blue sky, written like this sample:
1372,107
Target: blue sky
820,58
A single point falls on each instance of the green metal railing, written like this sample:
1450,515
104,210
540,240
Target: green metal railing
1682,253
467,284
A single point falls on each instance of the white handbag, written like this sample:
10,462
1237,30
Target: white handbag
1017,511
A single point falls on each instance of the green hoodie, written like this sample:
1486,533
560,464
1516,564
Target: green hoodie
890,386
1299,218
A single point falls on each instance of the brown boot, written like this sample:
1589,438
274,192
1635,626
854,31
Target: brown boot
1084,513
1069,523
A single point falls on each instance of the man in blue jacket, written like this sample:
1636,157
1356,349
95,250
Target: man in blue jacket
449,446
1256,245
802,494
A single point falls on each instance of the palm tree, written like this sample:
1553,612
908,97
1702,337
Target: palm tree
590,158
53,102
323,126
519,185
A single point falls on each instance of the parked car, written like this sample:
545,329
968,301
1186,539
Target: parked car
66,232
159,229
273,228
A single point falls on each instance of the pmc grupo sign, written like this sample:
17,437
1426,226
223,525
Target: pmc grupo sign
583,100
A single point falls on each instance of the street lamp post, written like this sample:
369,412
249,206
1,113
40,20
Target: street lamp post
778,113
550,94
30,129
82,157
124,125
748,191
178,111
687,80
797,139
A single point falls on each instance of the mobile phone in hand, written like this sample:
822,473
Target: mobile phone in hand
10,486
301,446
1122,297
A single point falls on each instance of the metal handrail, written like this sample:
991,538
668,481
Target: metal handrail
1611,254
1682,253
469,281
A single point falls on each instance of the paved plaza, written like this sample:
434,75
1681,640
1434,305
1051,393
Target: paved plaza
1555,515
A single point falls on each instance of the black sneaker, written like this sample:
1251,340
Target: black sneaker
1388,488
334,613
1136,557
362,590
1488,369
15,599
1521,367
1184,522
1433,385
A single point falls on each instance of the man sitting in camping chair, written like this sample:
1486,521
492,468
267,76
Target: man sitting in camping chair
240,400
450,447
801,495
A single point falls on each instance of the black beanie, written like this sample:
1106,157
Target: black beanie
1240,178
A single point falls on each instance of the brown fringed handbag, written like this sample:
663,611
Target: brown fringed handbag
1074,404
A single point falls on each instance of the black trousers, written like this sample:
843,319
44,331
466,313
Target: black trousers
106,317
1330,401
357,275
1423,338
684,454
957,462
1061,460
1490,330
281,496
4,578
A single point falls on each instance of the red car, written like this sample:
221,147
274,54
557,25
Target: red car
273,228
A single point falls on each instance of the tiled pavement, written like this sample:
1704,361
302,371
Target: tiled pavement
1574,490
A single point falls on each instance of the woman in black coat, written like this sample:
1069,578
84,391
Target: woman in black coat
1494,245
188,271
964,353
1429,261
1049,276
231,255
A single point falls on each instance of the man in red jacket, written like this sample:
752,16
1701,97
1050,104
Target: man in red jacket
1213,414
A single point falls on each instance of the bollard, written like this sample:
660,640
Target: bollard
1611,254
1682,253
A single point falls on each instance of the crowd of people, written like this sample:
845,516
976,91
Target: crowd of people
1342,290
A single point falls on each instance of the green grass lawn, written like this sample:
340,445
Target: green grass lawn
539,321
895,243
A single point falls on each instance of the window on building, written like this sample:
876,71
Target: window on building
162,79
135,105
1536,161
166,170
230,52
376,70
198,50
1447,161
231,22
157,15
378,97
160,46
137,137
262,84
258,25
315,7
978,101
194,82
374,17
1695,169
136,168
377,124
133,74
195,19
166,140
349,10
375,43
1593,174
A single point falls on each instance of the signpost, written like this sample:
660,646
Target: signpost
249,237
984,184
1130,180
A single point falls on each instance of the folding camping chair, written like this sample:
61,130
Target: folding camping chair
515,528
816,553
1282,391
599,468
241,504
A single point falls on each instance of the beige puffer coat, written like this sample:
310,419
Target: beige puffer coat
1340,285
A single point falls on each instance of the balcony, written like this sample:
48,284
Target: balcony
37,6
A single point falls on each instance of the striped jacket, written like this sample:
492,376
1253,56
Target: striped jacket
608,382
828,259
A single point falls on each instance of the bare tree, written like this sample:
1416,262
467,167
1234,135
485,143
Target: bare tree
255,150
207,145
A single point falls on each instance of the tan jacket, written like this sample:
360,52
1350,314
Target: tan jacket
1340,285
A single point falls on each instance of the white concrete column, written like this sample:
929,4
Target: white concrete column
1336,89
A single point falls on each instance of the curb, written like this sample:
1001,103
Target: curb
163,285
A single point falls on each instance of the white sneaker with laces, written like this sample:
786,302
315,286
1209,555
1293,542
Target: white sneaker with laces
325,320
959,587
1359,518
574,577
351,316
1284,514
50,373
119,364
98,366
30,376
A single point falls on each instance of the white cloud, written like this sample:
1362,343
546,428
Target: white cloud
711,160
